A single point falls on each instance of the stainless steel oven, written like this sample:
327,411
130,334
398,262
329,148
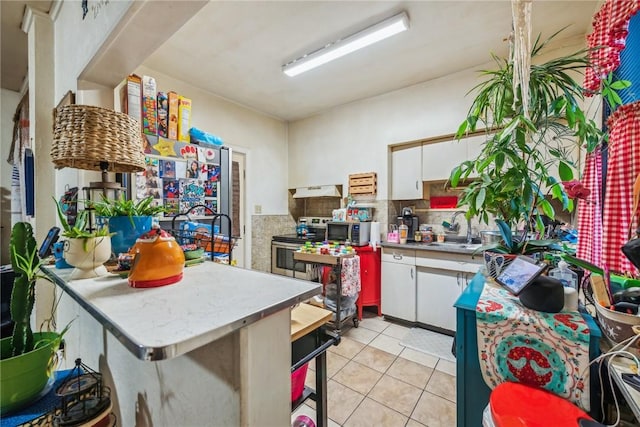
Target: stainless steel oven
282,262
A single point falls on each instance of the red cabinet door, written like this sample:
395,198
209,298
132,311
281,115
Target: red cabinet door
370,269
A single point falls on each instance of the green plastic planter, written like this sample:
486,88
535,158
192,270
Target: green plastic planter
23,377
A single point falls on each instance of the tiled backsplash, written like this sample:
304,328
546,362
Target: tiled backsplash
315,206
263,227
385,212
433,217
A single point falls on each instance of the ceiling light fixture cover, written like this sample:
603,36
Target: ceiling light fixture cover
380,31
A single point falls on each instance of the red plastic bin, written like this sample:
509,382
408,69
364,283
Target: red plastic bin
443,202
298,378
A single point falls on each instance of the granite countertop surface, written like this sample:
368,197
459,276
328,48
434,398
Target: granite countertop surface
212,300
459,248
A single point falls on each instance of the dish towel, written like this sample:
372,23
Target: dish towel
590,211
350,275
622,169
546,350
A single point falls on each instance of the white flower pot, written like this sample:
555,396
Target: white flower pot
87,256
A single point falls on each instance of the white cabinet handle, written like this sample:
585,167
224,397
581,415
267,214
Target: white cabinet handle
412,274
396,256
416,185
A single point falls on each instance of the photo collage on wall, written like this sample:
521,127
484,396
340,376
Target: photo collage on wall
189,179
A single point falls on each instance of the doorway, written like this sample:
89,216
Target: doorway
238,206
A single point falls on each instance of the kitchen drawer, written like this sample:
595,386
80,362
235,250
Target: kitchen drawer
449,261
399,256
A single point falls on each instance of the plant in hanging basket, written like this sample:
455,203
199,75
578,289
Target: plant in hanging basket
529,142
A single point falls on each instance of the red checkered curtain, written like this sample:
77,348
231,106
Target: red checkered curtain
590,211
610,29
622,169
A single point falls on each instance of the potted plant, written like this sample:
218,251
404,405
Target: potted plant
526,140
26,358
499,255
127,219
85,250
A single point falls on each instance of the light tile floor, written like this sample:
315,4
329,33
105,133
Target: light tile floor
373,380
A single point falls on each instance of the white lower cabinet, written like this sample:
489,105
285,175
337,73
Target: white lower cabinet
399,290
437,291
422,286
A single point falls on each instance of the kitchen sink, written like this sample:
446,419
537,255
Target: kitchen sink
460,239
471,246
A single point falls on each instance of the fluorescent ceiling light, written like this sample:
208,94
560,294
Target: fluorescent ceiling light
380,31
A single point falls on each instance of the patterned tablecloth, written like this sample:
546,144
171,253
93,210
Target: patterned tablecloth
548,350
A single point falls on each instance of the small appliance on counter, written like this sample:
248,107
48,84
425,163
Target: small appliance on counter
354,233
410,220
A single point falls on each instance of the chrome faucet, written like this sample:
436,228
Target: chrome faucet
455,226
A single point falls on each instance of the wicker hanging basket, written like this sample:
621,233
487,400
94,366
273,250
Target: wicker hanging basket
90,138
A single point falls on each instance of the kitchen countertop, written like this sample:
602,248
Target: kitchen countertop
459,248
210,301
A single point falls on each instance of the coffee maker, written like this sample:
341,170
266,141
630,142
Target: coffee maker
410,220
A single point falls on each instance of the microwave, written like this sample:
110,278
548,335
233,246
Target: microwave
354,233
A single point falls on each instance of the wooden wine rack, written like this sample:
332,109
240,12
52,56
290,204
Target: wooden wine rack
363,184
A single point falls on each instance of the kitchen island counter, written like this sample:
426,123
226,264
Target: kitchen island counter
210,301
202,351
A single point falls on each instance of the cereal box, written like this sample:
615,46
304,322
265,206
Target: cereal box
131,97
184,118
173,115
163,112
149,110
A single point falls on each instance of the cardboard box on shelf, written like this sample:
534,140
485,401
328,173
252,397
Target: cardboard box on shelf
163,114
131,97
173,115
184,118
149,110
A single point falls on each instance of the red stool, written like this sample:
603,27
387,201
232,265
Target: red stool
519,405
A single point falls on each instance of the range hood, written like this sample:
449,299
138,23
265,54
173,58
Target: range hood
316,191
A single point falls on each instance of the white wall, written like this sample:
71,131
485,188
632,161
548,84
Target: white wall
77,40
8,102
263,138
353,138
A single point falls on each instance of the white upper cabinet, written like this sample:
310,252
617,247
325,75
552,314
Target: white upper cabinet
438,159
406,169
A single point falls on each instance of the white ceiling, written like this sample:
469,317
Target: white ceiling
14,41
235,49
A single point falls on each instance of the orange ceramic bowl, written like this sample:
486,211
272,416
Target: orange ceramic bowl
159,260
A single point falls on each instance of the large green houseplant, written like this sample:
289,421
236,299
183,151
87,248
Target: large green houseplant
127,219
26,357
516,170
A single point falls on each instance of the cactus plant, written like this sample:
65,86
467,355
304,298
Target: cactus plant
26,265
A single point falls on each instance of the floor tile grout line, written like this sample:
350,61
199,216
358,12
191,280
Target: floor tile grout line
385,372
